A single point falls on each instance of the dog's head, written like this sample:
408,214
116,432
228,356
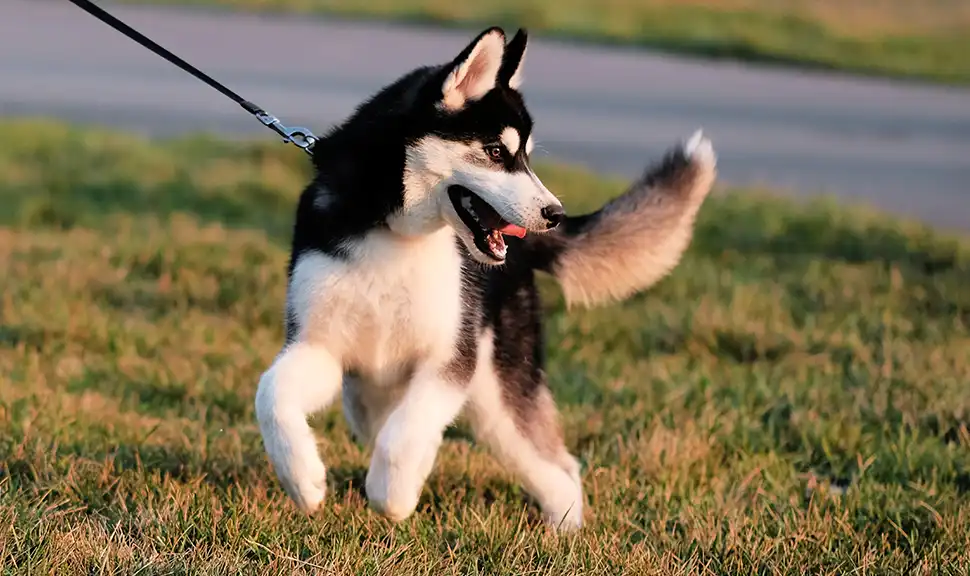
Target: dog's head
468,166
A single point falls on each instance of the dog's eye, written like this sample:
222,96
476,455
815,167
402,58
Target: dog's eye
494,152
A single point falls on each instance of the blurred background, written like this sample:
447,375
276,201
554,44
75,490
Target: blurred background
793,394
863,100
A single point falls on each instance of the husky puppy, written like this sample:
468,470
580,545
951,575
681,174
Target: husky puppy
411,284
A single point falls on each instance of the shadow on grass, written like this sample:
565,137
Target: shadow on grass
31,338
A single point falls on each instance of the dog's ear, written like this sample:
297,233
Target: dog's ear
512,63
475,71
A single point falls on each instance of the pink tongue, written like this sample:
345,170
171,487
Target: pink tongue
513,230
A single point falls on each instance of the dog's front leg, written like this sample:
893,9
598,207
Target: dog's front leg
303,379
408,442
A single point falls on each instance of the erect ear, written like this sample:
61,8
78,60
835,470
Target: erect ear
475,71
511,72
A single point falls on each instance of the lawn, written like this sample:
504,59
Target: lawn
924,39
792,399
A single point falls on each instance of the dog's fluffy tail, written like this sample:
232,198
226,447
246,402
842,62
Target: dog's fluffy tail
637,238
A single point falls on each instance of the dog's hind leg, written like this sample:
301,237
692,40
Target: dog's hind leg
520,425
303,379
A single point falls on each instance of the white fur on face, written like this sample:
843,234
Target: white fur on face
478,74
530,145
511,140
433,164
427,164
518,197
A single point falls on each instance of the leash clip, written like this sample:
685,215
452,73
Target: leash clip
298,136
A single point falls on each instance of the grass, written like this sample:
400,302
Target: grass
792,399
925,39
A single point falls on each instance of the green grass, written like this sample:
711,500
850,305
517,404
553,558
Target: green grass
924,39
793,399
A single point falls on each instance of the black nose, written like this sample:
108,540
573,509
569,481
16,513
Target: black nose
554,214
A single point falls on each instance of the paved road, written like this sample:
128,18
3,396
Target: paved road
901,147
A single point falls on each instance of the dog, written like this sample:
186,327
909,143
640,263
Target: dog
411,281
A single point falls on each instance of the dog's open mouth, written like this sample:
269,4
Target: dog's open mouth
485,224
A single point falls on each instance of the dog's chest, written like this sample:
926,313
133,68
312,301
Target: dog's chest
391,304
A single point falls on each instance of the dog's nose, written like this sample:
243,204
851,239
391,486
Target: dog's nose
554,215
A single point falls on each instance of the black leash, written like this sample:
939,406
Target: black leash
298,136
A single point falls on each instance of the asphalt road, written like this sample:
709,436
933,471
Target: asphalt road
903,148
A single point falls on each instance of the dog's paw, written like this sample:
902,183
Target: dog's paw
392,485
305,482
562,504
568,519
